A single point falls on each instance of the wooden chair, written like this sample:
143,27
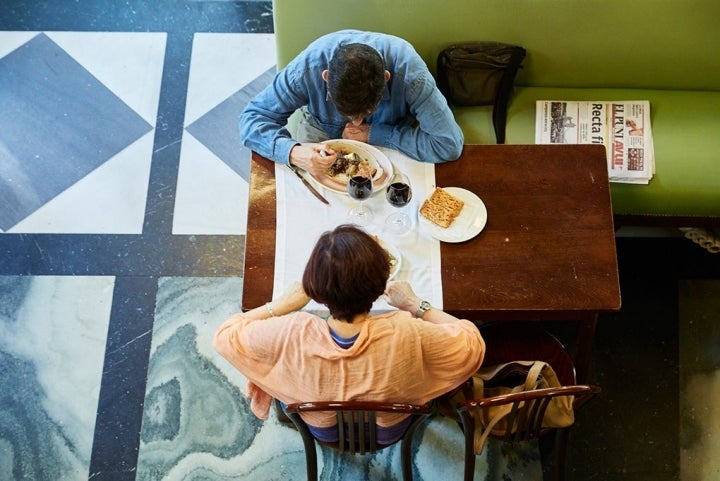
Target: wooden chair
527,412
509,341
357,430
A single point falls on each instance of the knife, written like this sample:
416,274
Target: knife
308,185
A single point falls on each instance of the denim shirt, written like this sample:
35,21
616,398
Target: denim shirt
412,117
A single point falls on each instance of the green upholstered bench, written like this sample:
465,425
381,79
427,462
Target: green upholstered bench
664,51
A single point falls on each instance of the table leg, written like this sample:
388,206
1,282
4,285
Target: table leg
583,349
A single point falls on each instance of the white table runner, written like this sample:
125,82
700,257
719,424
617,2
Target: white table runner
301,219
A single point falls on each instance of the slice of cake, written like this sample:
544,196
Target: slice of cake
441,208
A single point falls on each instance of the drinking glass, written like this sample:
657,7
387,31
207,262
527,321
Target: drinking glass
360,187
398,194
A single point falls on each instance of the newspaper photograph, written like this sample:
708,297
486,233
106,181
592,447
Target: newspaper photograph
623,127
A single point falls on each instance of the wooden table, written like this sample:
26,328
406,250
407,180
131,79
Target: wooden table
546,253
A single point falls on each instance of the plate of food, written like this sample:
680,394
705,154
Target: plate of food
355,158
393,254
452,214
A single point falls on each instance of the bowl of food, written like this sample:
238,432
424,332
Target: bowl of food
355,158
394,257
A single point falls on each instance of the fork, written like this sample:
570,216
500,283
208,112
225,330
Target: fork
339,156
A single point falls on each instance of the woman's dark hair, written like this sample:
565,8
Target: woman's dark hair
356,79
347,271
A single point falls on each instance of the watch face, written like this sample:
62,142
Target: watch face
422,308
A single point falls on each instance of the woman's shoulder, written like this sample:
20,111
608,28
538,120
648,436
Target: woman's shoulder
304,318
402,320
397,322
298,320
393,316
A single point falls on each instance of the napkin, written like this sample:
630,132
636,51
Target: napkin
301,219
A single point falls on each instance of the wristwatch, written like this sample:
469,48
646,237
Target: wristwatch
423,308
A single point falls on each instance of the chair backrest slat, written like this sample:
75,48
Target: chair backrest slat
350,440
361,431
512,420
357,428
341,430
372,421
540,407
524,421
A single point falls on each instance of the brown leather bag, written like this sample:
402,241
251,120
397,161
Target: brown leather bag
480,73
511,377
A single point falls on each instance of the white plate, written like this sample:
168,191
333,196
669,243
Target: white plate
394,252
365,151
468,224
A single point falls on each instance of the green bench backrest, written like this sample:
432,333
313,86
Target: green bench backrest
658,44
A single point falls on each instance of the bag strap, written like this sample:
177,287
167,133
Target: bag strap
504,92
480,438
531,382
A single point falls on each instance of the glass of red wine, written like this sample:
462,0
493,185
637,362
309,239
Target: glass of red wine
360,188
398,194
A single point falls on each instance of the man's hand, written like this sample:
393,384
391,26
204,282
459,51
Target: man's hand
308,157
359,132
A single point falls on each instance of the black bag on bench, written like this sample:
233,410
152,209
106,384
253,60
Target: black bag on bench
480,73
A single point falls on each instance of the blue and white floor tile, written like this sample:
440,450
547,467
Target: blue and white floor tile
90,99
53,333
121,251
226,71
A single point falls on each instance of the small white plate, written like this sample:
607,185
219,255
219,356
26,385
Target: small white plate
366,151
394,253
468,224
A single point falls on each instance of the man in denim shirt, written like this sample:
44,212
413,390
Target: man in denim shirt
364,86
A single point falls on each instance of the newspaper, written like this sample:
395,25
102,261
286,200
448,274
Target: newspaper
623,127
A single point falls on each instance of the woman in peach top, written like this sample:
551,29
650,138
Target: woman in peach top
411,355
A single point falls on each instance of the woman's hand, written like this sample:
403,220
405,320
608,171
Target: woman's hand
293,299
401,295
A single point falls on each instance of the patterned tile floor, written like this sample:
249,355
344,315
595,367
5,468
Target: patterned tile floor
138,345
122,220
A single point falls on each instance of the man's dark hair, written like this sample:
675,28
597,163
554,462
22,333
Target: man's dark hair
356,79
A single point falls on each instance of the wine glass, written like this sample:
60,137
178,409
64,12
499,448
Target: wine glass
398,194
360,187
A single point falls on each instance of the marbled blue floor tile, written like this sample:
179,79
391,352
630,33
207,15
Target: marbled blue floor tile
193,410
197,423
52,345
